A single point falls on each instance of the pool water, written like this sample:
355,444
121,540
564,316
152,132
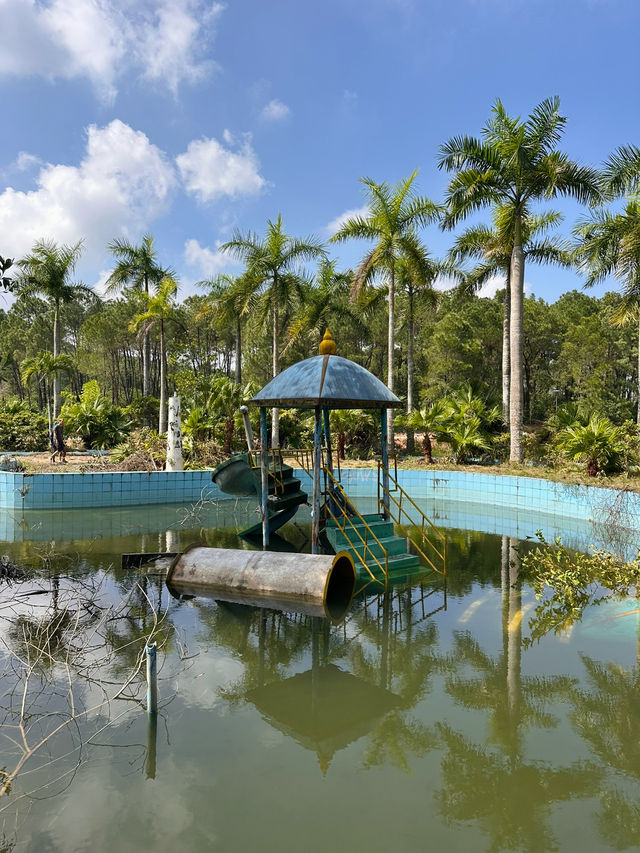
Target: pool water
425,720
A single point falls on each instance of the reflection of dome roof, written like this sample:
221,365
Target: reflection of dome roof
326,380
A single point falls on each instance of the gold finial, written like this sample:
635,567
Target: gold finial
327,344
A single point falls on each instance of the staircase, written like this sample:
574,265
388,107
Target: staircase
372,543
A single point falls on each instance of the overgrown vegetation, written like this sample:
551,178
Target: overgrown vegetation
566,582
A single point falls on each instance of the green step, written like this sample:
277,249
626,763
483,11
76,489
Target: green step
392,544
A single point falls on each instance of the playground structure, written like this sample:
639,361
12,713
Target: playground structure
398,539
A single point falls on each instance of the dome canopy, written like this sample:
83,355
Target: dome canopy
326,380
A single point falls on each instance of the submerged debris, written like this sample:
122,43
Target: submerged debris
10,572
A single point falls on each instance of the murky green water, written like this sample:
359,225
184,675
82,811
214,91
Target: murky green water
424,721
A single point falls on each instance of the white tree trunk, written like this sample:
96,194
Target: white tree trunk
410,436
390,355
516,391
275,426
506,355
56,353
174,436
162,421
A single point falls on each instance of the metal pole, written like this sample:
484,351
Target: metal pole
264,504
247,428
385,463
315,511
327,438
152,679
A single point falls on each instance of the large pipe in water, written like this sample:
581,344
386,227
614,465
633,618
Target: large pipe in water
315,584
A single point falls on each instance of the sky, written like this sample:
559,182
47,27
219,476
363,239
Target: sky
188,119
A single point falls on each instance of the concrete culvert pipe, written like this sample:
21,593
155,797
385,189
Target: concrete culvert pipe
316,584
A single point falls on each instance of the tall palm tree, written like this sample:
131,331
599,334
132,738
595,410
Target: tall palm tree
395,212
326,302
417,277
492,247
138,267
47,270
515,164
160,308
273,268
229,300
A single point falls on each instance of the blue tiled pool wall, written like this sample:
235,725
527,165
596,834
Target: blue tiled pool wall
486,494
83,491
53,491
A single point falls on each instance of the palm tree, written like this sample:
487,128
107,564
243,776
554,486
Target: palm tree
417,278
45,367
493,247
609,243
47,271
138,267
159,309
230,299
598,443
273,271
327,302
514,164
394,215
426,420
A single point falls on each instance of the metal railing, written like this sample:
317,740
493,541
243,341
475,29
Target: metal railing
336,508
396,506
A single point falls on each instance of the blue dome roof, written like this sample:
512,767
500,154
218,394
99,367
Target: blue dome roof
326,380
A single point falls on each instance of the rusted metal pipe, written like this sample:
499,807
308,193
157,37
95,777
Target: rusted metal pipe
314,584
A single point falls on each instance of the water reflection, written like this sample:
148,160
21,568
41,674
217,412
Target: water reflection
480,739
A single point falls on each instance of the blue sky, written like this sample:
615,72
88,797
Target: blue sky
186,118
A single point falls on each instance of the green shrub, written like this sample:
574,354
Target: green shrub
22,428
600,444
100,424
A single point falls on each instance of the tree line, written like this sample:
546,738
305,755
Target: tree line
140,342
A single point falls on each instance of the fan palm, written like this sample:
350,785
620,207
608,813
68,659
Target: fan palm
513,165
395,212
492,247
137,267
46,271
160,308
273,270
599,443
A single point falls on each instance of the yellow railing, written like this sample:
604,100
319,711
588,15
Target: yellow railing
344,522
396,506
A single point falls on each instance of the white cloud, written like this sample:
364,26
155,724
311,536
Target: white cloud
171,48
492,286
209,263
26,161
209,170
122,184
275,110
337,223
499,282
105,40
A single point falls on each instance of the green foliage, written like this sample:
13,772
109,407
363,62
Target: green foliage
22,428
599,444
566,582
100,424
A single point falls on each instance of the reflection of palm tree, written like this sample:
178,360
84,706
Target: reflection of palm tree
508,795
510,799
